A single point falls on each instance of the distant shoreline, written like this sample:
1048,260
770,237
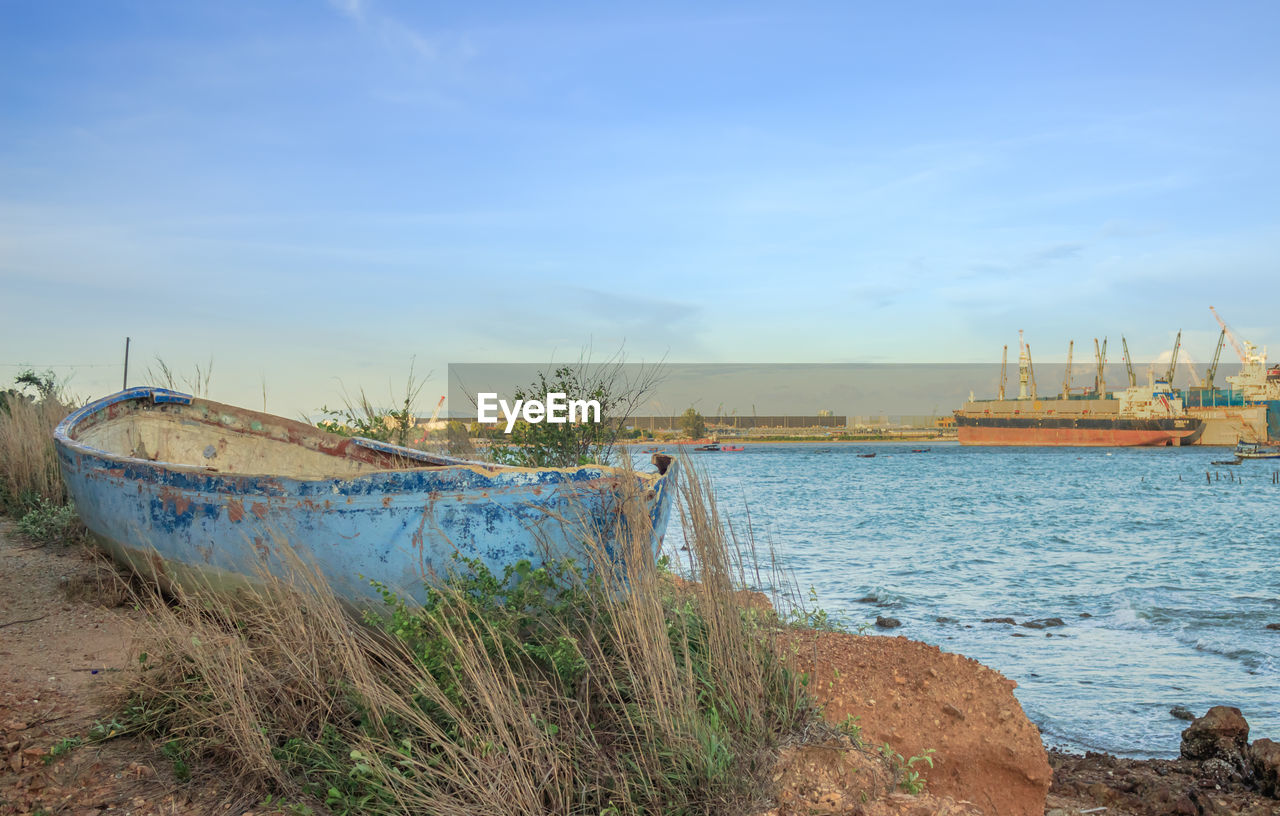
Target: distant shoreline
876,440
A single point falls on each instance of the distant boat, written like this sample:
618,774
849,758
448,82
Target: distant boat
716,447
1231,462
919,450
866,456
193,491
1252,450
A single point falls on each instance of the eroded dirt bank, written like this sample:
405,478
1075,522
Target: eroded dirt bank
916,697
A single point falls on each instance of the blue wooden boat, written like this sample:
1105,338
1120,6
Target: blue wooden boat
196,492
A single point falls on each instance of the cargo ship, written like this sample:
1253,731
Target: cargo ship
1151,416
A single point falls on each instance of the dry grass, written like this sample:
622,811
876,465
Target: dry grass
547,690
29,471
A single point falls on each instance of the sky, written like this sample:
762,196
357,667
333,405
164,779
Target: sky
314,197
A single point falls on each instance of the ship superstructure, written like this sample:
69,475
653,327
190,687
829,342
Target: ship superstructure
1249,407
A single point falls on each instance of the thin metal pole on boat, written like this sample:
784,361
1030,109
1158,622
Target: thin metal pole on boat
126,365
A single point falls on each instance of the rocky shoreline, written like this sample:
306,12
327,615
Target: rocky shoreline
1218,772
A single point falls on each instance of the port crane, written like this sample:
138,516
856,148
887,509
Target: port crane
1173,361
1025,371
1066,381
1100,354
436,413
1004,362
1217,353
1128,363
1235,344
1031,371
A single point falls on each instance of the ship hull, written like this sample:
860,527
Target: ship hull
1076,432
1228,425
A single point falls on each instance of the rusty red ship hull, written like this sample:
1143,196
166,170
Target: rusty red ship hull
1076,432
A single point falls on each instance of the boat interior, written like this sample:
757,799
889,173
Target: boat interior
221,439
200,435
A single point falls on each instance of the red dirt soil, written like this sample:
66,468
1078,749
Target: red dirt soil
916,697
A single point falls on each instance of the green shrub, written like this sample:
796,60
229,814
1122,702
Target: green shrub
49,523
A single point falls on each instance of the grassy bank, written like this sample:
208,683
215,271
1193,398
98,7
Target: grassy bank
600,688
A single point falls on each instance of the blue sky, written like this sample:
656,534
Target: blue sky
312,194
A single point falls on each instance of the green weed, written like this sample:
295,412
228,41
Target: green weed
909,779
49,523
63,747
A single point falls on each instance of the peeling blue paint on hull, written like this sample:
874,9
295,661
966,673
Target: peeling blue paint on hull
184,487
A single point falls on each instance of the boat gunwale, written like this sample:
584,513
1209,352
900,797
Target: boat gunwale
159,396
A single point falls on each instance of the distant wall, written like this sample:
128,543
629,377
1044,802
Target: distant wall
901,421
668,423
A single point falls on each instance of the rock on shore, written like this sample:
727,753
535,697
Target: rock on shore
1222,734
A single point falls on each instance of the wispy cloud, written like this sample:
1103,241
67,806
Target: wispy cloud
1131,229
1032,261
536,321
878,295
400,35
355,9
1050,254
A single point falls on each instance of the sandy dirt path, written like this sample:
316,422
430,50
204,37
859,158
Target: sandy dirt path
66,633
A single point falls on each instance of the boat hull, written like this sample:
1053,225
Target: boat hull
400,527
1076,432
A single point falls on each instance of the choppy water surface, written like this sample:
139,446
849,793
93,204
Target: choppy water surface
1179,577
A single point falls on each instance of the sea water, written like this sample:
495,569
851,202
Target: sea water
1165,580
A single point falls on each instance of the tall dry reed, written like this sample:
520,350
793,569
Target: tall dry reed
602,686
29,472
